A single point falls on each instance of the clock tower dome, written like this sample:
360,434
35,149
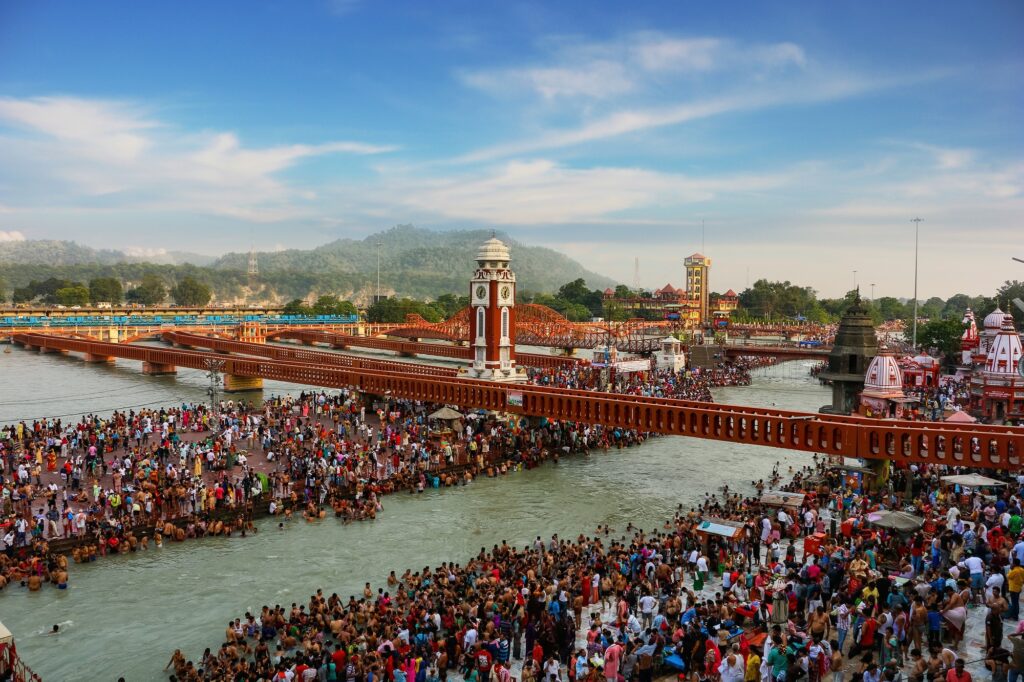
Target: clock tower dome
492,300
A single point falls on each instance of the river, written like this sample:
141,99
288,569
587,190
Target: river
123,615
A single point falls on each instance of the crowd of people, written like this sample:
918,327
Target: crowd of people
105,478
134,479
811,590
691,384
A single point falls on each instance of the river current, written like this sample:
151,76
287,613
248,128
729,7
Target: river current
124,615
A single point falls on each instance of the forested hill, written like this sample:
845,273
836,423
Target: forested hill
419,263
54,252
414,263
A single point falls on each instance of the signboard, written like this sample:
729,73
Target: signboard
719,529
515,399
632,366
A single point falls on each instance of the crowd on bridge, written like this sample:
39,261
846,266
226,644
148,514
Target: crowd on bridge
689,384
812,590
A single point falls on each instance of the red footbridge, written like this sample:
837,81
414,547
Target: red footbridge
983,446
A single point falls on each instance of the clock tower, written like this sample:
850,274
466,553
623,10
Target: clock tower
492,300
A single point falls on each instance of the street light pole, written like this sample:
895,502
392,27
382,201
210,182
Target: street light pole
872,292
917,230
854,279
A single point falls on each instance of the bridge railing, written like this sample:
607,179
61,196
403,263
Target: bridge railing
920,442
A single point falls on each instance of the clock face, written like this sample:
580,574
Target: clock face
506,292
481,291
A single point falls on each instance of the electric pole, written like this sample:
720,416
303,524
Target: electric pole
917,232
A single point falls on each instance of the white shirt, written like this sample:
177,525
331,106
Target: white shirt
647,603
731,673
974,564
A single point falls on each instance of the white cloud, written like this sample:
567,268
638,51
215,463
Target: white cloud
108,130
605,70
598,79
541,192
635,120
115,151
11,236
677,54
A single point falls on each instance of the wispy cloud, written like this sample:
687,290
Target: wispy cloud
618,87
11,236
117,151
542,192
341,8
601,70
635,120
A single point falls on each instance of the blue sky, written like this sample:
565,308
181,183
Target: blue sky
805,135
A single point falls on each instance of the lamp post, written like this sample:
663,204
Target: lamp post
872,292
917,231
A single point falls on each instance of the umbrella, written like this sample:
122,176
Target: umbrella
446,413
901,522
972,480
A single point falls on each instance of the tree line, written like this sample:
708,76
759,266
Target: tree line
151,290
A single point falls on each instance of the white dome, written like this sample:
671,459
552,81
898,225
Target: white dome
883,373
493,250
1005,351
994,320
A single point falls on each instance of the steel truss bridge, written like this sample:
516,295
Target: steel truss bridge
984,446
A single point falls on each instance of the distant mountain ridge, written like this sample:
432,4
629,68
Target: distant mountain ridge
415,263
59,252
420,262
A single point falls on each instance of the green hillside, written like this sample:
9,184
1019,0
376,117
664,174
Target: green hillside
414,263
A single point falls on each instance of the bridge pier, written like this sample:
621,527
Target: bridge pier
233,383
158,368
92,357
43,350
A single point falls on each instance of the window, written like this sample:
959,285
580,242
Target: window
479,323
504,322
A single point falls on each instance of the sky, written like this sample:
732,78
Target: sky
803,136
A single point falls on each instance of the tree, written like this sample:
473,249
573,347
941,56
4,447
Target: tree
615,312
449,304
932,308
332,305
942,334
105,290
297,307
891,309
191,292
622,291
75,295
396,310
151,291
1008,292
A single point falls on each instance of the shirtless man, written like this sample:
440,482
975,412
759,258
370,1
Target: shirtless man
819,624
918,621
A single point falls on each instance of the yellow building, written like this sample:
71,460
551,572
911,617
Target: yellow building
697,287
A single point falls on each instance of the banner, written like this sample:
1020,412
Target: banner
515,399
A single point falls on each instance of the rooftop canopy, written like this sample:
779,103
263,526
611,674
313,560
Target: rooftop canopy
973,481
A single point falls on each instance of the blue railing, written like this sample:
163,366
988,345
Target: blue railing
176,320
